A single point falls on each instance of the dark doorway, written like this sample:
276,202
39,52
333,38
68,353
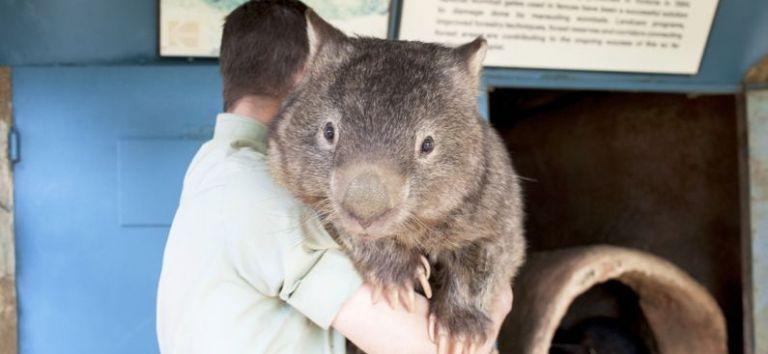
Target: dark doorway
650,171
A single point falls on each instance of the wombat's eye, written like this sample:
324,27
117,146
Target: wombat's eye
427,145
329,132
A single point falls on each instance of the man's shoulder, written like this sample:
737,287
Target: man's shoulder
236,176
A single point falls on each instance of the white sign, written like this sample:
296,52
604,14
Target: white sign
653,36
192,28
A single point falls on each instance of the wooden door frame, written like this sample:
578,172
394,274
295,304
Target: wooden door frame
8,304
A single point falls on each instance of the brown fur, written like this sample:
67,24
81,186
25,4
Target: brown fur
460,204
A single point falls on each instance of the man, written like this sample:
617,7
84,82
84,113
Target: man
247,269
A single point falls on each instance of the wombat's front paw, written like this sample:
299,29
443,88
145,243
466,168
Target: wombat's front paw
458,330
401,288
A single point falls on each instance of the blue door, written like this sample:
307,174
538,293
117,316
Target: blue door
103,154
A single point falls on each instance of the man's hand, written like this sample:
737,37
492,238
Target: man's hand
379,329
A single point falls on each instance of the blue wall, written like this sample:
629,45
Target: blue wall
97,110
78,32
104,150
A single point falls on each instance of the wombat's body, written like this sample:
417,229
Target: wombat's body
383,139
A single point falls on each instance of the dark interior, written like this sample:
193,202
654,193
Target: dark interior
651,171
605,319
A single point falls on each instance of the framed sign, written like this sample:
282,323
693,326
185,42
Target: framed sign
192,28
649,36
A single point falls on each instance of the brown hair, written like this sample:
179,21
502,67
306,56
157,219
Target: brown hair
263,46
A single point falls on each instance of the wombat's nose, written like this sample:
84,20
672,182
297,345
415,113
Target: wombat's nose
366,198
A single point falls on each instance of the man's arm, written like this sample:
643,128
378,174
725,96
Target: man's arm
379,329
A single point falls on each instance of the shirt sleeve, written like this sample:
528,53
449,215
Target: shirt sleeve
324,288
280,248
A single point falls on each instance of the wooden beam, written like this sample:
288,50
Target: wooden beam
8,312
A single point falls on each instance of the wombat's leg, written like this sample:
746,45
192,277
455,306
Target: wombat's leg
465,288
393,271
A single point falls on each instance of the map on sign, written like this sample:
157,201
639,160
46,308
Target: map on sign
652,36
192,28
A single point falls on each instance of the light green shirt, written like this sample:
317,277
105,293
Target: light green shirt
247,268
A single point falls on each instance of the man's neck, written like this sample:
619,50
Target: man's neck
261,108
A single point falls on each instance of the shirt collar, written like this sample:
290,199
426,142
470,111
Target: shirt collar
240,130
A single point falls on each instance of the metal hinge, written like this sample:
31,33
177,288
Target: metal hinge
14,146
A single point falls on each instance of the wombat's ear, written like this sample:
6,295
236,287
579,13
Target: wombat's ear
473,54
321,34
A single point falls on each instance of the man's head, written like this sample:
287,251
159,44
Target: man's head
263,49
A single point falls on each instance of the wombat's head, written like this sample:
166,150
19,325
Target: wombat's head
382,138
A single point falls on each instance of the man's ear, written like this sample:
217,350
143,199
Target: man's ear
473,54
322,37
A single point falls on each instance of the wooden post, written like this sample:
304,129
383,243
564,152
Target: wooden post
754,149
8,319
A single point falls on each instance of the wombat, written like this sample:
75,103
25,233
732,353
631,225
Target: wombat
384,141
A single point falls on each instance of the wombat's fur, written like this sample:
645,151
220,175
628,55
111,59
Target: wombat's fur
386,200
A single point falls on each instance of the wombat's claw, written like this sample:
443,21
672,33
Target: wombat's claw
422,274
425,264
450,344
394,294
407,294
404,292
